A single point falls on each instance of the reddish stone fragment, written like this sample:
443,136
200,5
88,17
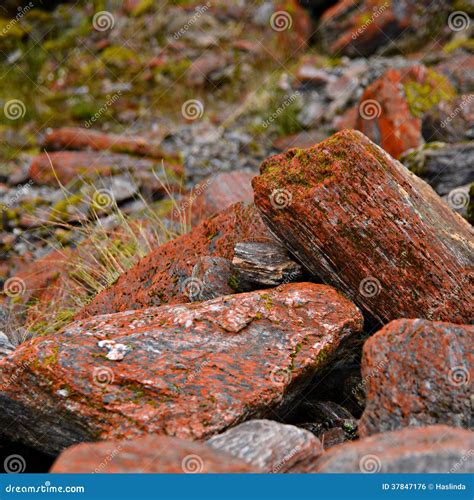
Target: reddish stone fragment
80,138
418,373
147,455
66,166
270,446
293,26
460,71
361,221
216,194
385,117
164,276
189,370
434,449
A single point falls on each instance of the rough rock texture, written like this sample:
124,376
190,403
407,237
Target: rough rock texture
188,370
66,166
433,449
263,264
270,446
363,27
361,221
211,277
443,166
450,121
150,454
384,115
165,275
80,138
218,193
418,373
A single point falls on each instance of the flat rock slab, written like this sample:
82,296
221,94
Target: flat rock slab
270,446
149,455
67,166
433,449
190,370
164,276
418,373
358,219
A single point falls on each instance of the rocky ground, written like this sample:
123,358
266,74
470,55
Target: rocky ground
236,236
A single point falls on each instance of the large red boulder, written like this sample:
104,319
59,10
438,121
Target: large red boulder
189,370
417,373
359,220
147,455
433,449
165,275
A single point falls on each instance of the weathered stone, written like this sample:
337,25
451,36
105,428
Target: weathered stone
66,166
190,370
450,121
361,221
364,27
434,449
443,166
150,455
211,276
418,373
165,275
270,446
293,26
384,115
263,264
216,194
81,138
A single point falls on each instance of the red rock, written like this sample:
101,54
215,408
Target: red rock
434,449
359,220
66,166
81,138
216,194
189,371
147,455
293,26
361,28
417,373
270,446
165,275
211,277
347,120
385,117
